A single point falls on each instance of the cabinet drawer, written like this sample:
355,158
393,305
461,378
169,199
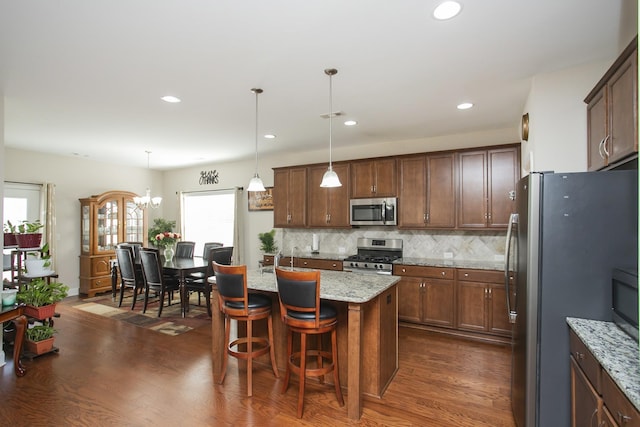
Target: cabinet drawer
485,276
621,409
100,283
586,361
422,271
321,264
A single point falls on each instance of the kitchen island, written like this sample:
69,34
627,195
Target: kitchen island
367,330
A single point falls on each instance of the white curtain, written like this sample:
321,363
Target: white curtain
50,221
237,229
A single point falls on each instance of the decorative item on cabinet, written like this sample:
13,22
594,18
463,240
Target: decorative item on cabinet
106,220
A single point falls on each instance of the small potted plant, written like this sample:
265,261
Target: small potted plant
29,234
38,263
39,339
41,297
10,231
268,242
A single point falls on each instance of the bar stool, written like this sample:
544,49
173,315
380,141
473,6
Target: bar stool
235,302
303,313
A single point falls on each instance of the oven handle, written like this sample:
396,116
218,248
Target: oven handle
383,214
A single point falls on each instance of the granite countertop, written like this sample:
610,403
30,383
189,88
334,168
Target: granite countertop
452,263
334,285
616,351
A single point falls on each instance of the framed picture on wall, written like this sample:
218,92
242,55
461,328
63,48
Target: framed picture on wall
261,200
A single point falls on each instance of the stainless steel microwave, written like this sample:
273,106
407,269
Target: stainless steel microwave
624,290
378,211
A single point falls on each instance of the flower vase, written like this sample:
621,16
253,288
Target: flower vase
169,251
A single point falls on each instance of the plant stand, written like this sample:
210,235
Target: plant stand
29,355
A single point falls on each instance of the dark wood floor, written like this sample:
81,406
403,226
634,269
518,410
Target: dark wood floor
112,373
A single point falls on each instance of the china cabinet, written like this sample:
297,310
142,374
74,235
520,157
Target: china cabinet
106,220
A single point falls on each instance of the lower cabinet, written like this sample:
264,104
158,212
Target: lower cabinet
595,399
426,295
482,304
461,301
320,264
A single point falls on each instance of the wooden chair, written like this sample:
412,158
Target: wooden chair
154,279
304,313
185,249
235,302
130,277
221,255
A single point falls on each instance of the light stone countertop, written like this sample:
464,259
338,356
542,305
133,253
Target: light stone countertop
616,351
451,263
334,285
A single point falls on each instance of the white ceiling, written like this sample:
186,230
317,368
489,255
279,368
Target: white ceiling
86,77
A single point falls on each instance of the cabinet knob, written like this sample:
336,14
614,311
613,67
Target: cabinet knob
404,270
443,273
466,274
334,265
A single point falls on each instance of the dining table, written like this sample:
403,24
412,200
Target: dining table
15,313
182,268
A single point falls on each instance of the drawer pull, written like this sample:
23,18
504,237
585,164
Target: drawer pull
622,418
443,273
579,356
466,274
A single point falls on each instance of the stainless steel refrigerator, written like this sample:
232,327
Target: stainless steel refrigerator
570,230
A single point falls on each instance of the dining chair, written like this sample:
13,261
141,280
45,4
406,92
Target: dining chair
221,255
237,303
184,249
304,313
130,277
136,249
154,279
210,245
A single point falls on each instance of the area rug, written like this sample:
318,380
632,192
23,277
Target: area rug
171,322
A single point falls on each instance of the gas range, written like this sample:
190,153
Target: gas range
374,256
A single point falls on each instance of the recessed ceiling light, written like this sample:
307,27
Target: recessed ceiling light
171,99
447,10
270,136
350,123
465,106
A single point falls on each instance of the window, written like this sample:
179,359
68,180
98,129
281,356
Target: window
208,216
22,202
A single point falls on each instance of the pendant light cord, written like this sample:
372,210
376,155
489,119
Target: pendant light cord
330,115
257,92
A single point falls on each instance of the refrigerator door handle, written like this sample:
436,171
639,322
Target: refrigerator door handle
513,219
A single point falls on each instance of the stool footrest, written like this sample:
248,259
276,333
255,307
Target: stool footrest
262,344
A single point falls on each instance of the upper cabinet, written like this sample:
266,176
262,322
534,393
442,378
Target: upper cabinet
373,178
487,183
290,197
427,191
328,207
612,112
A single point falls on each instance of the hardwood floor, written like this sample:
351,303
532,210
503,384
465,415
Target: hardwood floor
112,373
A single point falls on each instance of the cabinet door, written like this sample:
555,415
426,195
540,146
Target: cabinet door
596,130
472,306
338,198
289,197
438,307
385,172
280,197
499,323
412,192
107,225
373,178
586,405
409,299
133,223
502,176
472,196
441,197
317,198
623,110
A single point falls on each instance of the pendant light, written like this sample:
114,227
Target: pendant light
330,178
147,201
256,183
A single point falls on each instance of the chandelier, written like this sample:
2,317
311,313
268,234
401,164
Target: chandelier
147,201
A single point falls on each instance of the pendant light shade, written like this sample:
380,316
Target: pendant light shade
256,183
330,178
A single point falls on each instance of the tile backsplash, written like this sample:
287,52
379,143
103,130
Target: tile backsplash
457,245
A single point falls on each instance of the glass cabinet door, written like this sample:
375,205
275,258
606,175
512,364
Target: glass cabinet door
85,229
133,223
107,223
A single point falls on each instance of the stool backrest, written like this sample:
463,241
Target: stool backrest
231,281
299,291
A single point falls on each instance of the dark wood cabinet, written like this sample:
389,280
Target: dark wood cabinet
427,191
482,305
486,190
612,112
426,295
373,178
586,404
328,207
290,197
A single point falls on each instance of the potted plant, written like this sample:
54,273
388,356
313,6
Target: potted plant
29,234
159,226
41,297
39,339
38,263
10,231
268,242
